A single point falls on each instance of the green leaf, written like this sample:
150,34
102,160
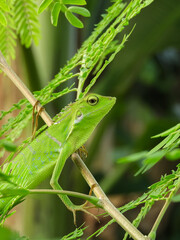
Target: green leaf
4,177
160,145
174,137
9,146
27,23
55,13
6,233
167,132
76,234
73,20
44,5
4,6
173,155
80,10
152,160
132,157
3,20
176,198
75,2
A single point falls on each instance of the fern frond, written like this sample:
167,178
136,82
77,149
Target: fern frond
26,21
8,38
4,9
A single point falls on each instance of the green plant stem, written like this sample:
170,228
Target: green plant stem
86,197
163,211
106,204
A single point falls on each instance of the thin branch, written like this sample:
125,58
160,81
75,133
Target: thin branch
86,197
106,204
24,90
163,211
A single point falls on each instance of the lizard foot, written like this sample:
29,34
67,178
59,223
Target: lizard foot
83,152
84,207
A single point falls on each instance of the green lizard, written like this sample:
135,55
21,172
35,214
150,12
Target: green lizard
47,153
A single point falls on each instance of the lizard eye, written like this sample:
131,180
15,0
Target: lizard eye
92,100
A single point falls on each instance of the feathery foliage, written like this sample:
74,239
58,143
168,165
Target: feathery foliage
165,190
78,232
88,56
7,34
92,58
21,18
26,21
168,147
4,9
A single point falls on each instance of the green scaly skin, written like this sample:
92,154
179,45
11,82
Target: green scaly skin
47,154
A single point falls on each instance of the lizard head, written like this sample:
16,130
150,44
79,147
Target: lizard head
91,110
80,119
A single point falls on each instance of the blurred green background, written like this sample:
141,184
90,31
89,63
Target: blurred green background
145,79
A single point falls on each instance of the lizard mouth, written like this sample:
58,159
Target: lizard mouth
111,103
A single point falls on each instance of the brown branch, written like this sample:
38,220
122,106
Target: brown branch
105,202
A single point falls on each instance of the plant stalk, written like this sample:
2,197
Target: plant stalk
163,211
105,202
24,90
86,197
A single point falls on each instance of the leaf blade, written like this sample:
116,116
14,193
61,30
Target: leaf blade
73,20
167,132
132,157
55,13
3,19
160,145
174,137
4,6
80,10
75,2
44,4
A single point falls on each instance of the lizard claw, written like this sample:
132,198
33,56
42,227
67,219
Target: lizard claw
84,207
83,152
